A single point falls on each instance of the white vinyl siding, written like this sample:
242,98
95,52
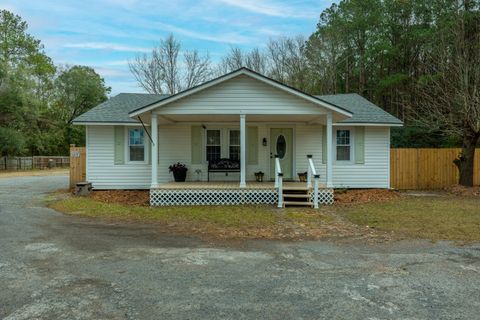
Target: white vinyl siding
174,146
375,172
102,172
243,94
308,140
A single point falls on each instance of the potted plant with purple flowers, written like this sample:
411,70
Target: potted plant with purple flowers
179,171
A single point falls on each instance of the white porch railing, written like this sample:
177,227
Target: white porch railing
279,181
312,172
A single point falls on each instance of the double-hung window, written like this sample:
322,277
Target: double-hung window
234,144
222,143
136,145
214,145
343,145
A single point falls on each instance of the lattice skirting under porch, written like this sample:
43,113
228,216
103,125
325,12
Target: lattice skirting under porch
325,196
188,197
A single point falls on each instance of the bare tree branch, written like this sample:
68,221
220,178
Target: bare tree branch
147,73
161,71
257,61
197,69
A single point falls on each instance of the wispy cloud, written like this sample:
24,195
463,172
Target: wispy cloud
105,46
271,9
117,63
219,37
106,34
112,72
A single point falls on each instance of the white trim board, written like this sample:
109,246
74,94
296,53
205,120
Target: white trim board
367,124
109,124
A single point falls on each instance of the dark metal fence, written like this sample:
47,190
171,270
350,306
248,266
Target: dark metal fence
36,162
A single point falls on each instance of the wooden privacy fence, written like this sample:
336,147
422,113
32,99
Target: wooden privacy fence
35,162
409,168
77,165
427,168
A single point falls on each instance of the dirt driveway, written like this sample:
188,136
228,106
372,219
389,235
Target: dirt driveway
58,267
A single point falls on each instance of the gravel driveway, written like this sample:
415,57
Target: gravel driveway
58,267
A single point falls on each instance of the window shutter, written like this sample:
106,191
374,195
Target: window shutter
196,141
252,145
359,145
119,146
324,145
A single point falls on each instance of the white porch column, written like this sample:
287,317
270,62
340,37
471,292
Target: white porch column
243,152
154,150
329,151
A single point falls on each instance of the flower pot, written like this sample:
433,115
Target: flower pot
259,176
180,175
302,177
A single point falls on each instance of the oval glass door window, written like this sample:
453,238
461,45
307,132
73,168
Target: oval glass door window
281,146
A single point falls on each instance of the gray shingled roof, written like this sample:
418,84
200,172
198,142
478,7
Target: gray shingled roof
363,110
116,109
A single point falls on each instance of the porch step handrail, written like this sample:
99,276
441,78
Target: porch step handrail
279,181
312,172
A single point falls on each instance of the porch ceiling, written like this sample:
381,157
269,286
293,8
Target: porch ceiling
310,119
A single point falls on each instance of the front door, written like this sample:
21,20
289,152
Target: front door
281,145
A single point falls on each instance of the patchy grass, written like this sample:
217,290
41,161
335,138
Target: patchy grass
34,172
382,216
435,218
225,222
231,217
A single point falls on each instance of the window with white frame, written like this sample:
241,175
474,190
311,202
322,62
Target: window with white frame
136,145
234,144
213,145
343,145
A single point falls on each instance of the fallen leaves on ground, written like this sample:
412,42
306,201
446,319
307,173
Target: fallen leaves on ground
462,191
127,197
358,196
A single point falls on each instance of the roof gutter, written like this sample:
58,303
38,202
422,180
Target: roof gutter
368,124
107,123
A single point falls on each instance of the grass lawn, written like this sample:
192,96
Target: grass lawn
445,217
435,218
218,221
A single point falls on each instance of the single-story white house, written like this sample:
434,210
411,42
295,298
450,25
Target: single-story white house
261,125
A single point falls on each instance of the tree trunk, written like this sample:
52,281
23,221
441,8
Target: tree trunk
466,159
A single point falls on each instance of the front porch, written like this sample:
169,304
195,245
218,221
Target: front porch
231,193
194,185
260,125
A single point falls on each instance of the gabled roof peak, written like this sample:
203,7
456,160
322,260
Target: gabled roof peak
233,74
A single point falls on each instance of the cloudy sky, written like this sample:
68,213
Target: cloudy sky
105,34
